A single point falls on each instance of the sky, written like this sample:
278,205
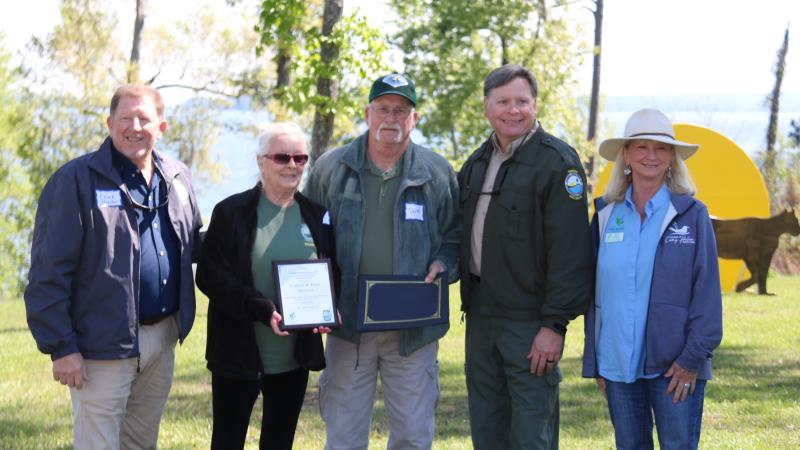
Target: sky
650,47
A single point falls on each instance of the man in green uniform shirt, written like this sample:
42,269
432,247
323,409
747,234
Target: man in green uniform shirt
526,267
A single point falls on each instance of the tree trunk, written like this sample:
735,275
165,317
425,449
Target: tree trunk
326,86
504,46
595,95
594,99
770,156
283,61
774,99
454,141
138,25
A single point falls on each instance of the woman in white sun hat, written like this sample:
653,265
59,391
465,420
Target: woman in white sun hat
656,317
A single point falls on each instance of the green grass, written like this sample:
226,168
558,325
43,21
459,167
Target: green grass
754,401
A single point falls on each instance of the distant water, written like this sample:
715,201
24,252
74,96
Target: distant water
742,118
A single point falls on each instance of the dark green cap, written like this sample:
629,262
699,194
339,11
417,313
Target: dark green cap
394,84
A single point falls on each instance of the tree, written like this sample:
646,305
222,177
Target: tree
331,56
61,101
769,166
16,199
204,54
594,98
327,84
451,46
794,133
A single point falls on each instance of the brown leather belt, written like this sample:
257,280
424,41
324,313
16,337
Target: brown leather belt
153,320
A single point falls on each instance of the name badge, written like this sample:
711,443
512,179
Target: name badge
614,237
108,199
326,219
415,211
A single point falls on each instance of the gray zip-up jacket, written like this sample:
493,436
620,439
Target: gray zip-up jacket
83,285
428,179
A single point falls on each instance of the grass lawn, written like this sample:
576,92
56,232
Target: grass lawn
754,401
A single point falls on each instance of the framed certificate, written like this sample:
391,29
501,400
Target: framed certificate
391,302
305,293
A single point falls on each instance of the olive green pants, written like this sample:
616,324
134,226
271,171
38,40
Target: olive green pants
509,407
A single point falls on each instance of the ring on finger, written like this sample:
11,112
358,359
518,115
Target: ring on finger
687,386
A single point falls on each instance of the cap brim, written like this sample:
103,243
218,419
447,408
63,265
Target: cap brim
609,149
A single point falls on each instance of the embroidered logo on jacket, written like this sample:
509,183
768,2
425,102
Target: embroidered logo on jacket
679,235
574,184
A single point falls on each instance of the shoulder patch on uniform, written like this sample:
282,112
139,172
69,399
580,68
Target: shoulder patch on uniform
573,183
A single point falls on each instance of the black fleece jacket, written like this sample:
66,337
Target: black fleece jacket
224,274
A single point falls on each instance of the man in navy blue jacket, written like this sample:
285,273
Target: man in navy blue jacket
110,289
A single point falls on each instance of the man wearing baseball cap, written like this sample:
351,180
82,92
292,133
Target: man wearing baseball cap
393,206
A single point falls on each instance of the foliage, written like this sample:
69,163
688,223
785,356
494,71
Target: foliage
75,69
15,189
751,403
68,76
794,133
450,47
296,25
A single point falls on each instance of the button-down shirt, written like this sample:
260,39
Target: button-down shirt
624,273
159,265
497,159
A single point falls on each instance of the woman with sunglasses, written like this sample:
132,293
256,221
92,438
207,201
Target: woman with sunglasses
247,353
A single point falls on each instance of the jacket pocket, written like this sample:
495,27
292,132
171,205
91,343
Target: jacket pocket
515,214
667,331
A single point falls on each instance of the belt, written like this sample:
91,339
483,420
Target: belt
474,278
153,320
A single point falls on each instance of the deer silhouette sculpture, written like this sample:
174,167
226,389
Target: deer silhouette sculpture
754,240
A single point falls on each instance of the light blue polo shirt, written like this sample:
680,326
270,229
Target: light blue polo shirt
624,273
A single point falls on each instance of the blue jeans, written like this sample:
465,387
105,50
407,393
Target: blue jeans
633,405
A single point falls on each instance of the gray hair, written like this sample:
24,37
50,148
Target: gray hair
678,182
270,131
506,74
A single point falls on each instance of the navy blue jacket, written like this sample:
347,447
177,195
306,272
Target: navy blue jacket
83,285
684,318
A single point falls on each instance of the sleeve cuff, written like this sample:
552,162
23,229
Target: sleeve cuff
67,350
556,326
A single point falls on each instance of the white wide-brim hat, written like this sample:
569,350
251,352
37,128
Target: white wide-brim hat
649,124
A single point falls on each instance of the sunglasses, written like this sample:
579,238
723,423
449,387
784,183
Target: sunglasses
284,158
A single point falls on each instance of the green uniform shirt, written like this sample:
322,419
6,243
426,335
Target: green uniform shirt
280,234
380,194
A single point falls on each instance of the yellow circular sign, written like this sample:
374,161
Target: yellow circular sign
728,182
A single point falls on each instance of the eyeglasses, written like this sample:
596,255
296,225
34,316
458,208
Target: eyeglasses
284,158
385,111
162,201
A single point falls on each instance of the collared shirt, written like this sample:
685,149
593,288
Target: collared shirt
380,194
497,159
624,274
159,264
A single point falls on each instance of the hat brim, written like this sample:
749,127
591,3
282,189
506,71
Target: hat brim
609,149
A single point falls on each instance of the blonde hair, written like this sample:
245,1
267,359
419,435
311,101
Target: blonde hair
679,180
